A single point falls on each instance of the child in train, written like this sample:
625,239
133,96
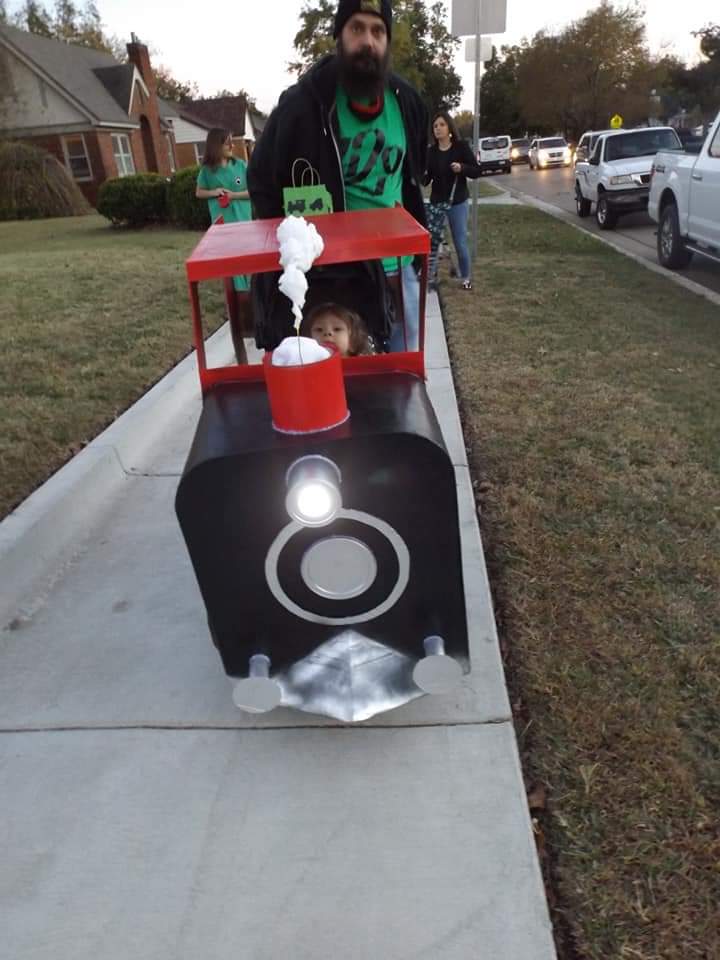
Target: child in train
335,325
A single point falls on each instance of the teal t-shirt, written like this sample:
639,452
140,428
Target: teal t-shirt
233,176
372,153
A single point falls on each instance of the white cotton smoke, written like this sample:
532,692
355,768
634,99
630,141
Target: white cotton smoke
296,351
300,245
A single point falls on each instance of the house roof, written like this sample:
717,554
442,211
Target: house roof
94,79
227,112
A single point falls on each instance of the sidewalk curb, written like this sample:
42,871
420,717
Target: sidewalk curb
35,537
559,214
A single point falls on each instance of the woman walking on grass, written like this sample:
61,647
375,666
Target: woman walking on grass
449,163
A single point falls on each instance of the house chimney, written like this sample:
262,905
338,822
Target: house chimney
139,56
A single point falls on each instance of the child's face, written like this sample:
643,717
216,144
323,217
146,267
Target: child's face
329,328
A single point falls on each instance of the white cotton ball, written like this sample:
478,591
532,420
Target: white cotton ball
300,244
293,283
296,351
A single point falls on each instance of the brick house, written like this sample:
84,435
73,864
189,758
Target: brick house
100,118
196,117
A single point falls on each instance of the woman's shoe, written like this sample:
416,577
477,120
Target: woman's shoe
466,285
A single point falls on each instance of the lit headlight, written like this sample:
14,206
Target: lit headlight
313,496
623,178
515,153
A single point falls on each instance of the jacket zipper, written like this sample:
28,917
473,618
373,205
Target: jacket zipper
337,154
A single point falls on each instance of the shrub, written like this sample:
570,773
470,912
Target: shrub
184,207
34,185
134,201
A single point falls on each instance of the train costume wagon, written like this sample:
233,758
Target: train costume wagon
318,502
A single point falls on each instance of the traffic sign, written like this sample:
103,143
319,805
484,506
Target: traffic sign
616,122
464,20
486,49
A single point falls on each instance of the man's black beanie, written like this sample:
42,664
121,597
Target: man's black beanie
346,8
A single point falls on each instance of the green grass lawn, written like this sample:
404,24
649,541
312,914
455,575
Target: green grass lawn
589,393
90,317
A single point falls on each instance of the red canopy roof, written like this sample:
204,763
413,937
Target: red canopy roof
251,247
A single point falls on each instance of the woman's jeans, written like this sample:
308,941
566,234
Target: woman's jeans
458,219
411,305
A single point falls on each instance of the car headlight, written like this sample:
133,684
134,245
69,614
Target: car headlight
623,178
313,497
515,152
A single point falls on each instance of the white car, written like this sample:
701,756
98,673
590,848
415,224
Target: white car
685,202
586,144
549,152
495,154
616,178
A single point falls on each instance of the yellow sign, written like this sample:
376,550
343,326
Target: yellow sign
616,122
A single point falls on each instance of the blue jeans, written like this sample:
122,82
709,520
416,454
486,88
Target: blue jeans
411,306
458,219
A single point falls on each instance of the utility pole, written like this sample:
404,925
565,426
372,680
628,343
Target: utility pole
476,132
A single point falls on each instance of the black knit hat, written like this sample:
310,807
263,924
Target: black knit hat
346,8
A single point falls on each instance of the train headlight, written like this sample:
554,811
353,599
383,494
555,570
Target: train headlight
313,497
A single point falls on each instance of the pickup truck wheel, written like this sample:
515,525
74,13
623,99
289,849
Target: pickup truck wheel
672,252
582,205
606,218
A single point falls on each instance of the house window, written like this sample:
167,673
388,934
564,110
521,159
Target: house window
199,151
122,154
76,157
43,93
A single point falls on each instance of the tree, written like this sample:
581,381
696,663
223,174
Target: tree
499,95
34,18
171,89
598,66
464,121
70,23
709,41
422,47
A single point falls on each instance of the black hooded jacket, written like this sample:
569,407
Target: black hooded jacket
304,125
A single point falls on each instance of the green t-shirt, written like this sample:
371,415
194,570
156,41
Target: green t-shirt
233,176
372,152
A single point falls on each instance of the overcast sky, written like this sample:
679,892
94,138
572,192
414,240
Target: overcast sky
248,43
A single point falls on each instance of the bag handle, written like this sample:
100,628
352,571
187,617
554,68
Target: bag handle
308,169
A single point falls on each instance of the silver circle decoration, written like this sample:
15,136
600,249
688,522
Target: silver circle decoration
396,541
338,568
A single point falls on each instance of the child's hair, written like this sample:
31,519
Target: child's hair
360,342
216,138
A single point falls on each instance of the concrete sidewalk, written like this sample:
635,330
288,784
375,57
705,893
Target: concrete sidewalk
147,818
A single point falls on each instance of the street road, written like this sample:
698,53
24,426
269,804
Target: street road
635,232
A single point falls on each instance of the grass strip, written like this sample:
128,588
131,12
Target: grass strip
90,318
589,393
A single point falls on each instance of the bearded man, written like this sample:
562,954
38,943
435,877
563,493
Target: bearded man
361,127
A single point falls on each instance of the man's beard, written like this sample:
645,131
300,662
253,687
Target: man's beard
362,74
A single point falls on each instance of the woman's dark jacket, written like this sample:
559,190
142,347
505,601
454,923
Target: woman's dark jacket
304,124
439,173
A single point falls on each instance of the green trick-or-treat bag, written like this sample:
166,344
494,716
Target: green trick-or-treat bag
308,197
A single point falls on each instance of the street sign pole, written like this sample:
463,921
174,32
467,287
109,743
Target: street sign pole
476,134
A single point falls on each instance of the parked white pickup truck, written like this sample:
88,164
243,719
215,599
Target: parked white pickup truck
616,178
685,202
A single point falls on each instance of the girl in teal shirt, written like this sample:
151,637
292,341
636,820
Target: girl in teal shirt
222,181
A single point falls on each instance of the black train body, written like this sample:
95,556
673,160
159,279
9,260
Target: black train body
395,468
